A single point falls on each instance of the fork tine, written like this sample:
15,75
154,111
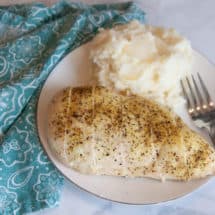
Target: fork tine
193,96
189,106
205,91
199,98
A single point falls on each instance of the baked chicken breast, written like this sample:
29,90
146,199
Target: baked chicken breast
96,131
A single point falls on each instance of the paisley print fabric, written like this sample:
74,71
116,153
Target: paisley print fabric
33,39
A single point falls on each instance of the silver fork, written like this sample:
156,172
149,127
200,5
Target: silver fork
200,106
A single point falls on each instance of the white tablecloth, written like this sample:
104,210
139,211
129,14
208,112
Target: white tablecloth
195,19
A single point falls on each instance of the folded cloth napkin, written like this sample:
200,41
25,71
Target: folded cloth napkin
33,39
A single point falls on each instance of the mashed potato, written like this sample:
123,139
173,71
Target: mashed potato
143,60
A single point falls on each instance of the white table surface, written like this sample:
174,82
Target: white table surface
195,19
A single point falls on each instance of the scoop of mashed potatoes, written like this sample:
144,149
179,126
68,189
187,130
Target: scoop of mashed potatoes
143,60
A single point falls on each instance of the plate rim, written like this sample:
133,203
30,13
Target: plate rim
207,179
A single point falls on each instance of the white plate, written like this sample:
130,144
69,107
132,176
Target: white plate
73,71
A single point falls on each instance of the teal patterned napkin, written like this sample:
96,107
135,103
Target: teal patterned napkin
33,39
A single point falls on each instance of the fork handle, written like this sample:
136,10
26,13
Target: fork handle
212,132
